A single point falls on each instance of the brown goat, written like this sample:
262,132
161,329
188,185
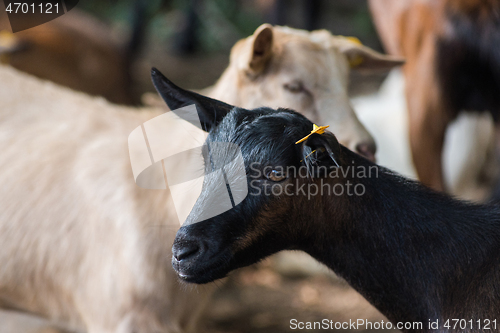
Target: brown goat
453,65
75,50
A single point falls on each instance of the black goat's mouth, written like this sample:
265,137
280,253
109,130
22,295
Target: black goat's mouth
202,270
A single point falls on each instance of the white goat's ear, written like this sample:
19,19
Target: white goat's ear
210,111
363,58
253,53
262,49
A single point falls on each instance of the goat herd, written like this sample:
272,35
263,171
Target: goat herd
84,246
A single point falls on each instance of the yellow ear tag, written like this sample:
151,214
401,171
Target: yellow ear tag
8,42
7,39
354,40
316,129
357,59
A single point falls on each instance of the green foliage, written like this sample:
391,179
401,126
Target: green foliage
223,22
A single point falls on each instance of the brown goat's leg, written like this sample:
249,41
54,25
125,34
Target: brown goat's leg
428,118
426,141
427,130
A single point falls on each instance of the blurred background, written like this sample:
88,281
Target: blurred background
187,40
190,40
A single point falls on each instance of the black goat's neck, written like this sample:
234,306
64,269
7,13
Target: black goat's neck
415,254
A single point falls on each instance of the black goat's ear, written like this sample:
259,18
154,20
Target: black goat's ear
319,153
210,111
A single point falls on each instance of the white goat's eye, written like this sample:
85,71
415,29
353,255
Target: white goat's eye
294,87
276,176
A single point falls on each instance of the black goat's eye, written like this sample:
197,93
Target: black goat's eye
294,87
276,175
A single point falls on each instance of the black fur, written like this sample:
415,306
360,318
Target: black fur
210,111
468,61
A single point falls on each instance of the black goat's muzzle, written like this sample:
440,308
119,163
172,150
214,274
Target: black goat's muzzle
196,259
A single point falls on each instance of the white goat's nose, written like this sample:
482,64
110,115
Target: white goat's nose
367,149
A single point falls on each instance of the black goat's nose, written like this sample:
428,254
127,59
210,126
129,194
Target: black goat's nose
185,250
367,149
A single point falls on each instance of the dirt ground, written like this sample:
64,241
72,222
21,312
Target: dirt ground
260,299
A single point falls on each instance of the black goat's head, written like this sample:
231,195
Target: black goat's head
273,215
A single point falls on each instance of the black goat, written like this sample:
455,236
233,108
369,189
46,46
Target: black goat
415,254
